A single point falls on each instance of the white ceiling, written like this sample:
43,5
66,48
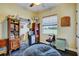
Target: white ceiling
41,7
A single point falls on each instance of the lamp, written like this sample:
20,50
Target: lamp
37,3
34,4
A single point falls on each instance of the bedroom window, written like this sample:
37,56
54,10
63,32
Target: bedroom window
49,25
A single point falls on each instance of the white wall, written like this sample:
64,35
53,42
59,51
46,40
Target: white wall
0,30
13,9
63,32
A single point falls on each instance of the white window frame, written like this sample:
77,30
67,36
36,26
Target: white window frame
44,23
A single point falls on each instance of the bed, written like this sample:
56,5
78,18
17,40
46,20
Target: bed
36,50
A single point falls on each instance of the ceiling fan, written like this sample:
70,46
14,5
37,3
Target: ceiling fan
34,4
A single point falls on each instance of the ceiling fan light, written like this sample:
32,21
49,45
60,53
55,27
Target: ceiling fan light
34,4
37,3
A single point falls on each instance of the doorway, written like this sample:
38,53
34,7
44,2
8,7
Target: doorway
24,30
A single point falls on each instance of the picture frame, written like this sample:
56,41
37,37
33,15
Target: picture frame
65,21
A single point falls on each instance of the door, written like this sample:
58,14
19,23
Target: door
78,29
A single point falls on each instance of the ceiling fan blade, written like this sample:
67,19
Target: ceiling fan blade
32,4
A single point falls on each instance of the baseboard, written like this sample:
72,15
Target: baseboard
71,49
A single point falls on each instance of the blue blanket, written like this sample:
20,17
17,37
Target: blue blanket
37,50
